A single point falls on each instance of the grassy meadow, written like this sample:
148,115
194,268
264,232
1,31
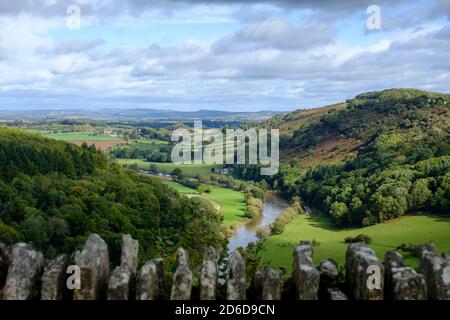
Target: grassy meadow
190,170
232,203
418,229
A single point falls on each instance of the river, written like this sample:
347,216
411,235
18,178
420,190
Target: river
246,233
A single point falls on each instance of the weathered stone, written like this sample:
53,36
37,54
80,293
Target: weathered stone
329,272
402,283
22,282
53,279
272,284
208,276
182,257
130,248
236,289
407,284
150,278
182,280
436,270
93,262
447,258
305,275
392,259
4,263
256,285
363,266
119,283
334,293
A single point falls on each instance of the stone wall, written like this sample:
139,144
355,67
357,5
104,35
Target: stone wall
86,275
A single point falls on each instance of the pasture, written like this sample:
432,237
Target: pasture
418,229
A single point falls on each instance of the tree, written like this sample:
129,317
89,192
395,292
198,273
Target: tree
35,230
338,210
177,173
202,188
8,235
153,168
420,194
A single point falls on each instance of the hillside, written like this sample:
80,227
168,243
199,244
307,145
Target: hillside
327,135
377,157
54,194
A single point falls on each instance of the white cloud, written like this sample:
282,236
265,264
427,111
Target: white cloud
268,62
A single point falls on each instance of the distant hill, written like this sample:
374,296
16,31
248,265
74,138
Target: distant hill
142,114
54,194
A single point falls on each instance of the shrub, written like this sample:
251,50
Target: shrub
286,216
252,201
412,249
257,193
359,238
263,234
8,235
193,184
252,212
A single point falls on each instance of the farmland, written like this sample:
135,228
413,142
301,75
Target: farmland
187,169
418,229
101,141
231,202
81,136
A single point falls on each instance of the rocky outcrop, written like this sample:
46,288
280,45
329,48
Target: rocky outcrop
119,283
272,284
26,278
149,282
401,282
408,284
256,285
23,279
334,293
305,275
329,273
93,262
236,289
182,280
130,250
364,272
208,276
53,279
436,269
392,259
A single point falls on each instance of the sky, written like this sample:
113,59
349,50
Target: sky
236,55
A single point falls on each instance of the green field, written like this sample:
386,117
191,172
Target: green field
277,250
81,136
144,145
190,170
232,203
180,188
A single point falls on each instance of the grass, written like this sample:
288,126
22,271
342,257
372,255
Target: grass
232,203
180,188
144,145
277,250
81,136
190,170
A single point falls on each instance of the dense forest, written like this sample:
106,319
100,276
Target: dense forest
53,194
399,160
